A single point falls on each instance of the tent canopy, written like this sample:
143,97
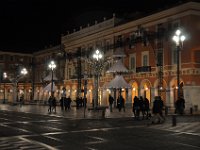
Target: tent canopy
48,87
118,67
49,77
117,83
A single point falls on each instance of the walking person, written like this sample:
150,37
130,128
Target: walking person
111,100
136,108
180,106
157,110
142,106
68,103
50,104
54,104
146,107
62,103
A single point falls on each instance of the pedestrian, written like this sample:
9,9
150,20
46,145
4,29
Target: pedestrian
53,103
50,104
69,103
122,101
157,110
146,107
62,103
111,100
142,106
136,108
21,100
180,105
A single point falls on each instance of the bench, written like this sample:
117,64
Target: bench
99,108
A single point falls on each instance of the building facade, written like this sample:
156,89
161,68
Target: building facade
14,84
150,57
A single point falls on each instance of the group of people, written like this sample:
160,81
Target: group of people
65,103
141,104
81,102
120,102
52,104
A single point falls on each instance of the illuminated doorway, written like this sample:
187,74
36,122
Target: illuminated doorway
134,90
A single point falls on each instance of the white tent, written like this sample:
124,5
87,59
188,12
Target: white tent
48,87
118,67
118,82
49,77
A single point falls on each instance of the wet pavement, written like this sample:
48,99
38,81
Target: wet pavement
32,127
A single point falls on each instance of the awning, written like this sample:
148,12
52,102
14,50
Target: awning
48,87
117,67
49,77
117,83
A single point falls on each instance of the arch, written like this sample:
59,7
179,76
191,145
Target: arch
174,87
163,89
134,89
145,89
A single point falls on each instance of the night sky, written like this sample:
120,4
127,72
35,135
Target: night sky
30,25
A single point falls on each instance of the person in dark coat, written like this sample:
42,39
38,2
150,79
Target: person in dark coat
62,100
142,106
157,110
180,105
111,100
50,104
136,108
146,107
53,103
69,103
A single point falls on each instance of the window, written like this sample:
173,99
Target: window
145,58
132,62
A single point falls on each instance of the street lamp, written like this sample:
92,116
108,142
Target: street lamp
4,77
85,91
98,66
178,39
52,66
23,72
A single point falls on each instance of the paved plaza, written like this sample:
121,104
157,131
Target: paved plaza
32,127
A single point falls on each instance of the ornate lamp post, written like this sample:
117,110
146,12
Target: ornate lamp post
85,91
178,38
23,72
4,77
52,66
98,66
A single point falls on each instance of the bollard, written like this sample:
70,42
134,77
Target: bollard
191,111
173,120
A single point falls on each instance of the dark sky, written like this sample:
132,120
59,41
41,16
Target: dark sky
30,25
